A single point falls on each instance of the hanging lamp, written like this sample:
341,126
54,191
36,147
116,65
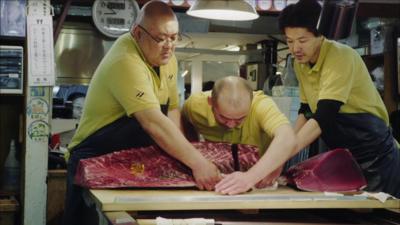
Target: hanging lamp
234,10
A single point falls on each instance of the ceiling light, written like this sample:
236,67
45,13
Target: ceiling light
185,73
235,10
232,48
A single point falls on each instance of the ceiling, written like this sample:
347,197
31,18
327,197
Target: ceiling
204,38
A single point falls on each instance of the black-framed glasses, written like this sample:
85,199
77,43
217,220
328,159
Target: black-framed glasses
172,39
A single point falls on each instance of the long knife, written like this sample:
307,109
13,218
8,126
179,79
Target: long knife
235,156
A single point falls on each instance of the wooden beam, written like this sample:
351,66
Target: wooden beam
61,19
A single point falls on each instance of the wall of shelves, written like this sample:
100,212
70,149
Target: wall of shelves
12,126
387,60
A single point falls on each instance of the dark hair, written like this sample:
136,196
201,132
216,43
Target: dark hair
303,14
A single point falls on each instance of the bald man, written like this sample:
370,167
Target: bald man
233,113
132,101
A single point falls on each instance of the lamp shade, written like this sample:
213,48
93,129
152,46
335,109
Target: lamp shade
235,10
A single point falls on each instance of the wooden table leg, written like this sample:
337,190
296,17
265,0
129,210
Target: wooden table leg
120,218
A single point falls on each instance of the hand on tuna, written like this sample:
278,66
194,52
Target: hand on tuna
270,178
234,183
206,175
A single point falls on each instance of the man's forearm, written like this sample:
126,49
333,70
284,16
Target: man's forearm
167,135
308,133
278,152
300,121
175,116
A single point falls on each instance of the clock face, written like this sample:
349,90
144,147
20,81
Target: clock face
114,17
279,4
178,2
264,4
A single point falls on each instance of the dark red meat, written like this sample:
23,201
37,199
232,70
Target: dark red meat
335,171
152,167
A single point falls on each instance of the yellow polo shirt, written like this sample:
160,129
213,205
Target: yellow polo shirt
257,128
340,74
124,83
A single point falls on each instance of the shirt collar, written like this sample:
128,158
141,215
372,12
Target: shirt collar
141,54
321,57
138,49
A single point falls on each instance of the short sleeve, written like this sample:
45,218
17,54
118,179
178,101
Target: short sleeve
297,71
336,81
131,85
269,116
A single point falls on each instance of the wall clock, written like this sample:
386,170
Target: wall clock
114,17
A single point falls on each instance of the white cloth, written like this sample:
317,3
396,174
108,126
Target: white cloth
191,221
381,196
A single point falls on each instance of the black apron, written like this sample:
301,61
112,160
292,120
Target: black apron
372,144
125,132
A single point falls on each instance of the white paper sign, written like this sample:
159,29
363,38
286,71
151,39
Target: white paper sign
40,50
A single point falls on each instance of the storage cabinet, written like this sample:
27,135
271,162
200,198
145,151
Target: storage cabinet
11,128
56,189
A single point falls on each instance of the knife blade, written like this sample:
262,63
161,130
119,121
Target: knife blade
235,156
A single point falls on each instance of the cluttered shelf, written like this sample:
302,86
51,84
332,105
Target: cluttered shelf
11,40
8,208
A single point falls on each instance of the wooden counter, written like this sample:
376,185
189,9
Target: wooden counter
282,198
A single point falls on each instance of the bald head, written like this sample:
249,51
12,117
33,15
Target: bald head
233,91
156,32
153,12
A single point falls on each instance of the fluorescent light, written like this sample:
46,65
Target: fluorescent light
234,10
232,48
184,73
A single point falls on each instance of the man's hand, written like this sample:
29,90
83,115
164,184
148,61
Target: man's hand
235,183
270,178
206,175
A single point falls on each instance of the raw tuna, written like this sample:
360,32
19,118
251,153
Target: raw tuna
335,171
152,167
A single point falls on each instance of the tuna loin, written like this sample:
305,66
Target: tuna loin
335,170
152,167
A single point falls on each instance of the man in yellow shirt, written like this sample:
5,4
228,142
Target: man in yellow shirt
337,91
233,113
132,101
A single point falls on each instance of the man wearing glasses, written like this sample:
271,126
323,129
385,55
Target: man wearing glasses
233,113
132,101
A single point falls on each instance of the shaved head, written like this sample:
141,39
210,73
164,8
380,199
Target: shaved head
156,31
230,101
232,90
154,11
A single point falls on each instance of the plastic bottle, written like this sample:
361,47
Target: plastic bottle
278,88
11,172
289,79
289,76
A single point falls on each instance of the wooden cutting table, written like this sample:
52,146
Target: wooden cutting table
115,203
